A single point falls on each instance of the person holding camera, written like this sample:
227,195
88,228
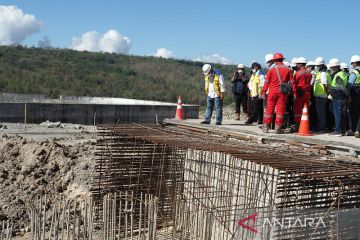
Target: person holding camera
239,81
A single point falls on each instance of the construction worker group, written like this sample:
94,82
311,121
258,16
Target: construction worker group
279,93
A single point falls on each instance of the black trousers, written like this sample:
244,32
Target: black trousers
257,110
354,109
239,99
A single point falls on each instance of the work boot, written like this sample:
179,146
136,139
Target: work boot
278,129
350,133
266,128
357,134
237,116
248,122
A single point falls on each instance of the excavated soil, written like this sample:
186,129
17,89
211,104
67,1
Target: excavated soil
42,160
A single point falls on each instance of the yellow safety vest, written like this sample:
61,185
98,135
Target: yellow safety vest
216,83
255,84
319,88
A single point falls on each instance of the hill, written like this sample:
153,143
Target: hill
55,72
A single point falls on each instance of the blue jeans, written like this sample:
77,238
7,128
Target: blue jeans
321,104
338,108
210,107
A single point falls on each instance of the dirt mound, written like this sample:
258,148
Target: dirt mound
31,167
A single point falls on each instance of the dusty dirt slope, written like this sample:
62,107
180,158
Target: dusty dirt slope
42,160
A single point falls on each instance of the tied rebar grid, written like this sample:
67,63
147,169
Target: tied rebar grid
204,181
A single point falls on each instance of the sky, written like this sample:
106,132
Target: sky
210,31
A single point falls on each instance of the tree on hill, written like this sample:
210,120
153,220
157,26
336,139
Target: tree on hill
55,72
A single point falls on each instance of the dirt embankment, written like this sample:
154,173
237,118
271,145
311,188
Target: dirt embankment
52,166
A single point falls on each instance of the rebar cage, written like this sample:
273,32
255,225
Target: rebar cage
212,187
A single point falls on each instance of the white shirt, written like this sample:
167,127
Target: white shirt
323,78
212,92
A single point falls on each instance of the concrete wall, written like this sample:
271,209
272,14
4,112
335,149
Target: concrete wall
40,109
84,113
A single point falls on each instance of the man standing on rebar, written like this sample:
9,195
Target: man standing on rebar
214,89
278,81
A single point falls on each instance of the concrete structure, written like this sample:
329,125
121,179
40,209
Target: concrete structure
83,110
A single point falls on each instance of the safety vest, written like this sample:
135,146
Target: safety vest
255,84
319,88
216,83
341,84
357,73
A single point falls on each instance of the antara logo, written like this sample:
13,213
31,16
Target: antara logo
242,223
287,222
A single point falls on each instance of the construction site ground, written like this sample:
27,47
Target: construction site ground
56,158
345,145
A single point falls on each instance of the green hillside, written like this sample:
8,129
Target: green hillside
55,72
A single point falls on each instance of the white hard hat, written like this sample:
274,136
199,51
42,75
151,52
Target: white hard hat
206,68
310,63
319,61
240,65
293,62
334,62
286,63
355,58
268,57
300,60
344,66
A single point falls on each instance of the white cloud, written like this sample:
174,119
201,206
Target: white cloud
213,58
15,25
111,41
164,53
44,43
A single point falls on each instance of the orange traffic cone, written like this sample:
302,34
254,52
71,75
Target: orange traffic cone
179,110
304,129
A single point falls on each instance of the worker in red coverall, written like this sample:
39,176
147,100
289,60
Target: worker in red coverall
301,89
276,100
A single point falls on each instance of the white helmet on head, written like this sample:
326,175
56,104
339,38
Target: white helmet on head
240,66
268,57
344,66
310,63
355,58
334,62
319,61
206,68
293,62
300,60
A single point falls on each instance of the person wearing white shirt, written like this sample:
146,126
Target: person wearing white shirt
214,89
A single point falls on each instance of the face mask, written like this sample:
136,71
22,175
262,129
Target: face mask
268,64
332,70
254,70
240,71
317,68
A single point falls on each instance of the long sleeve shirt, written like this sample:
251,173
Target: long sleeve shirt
352,78
302,80
212,92
272,82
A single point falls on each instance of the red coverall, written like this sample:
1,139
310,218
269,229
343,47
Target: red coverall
275,98
302,92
